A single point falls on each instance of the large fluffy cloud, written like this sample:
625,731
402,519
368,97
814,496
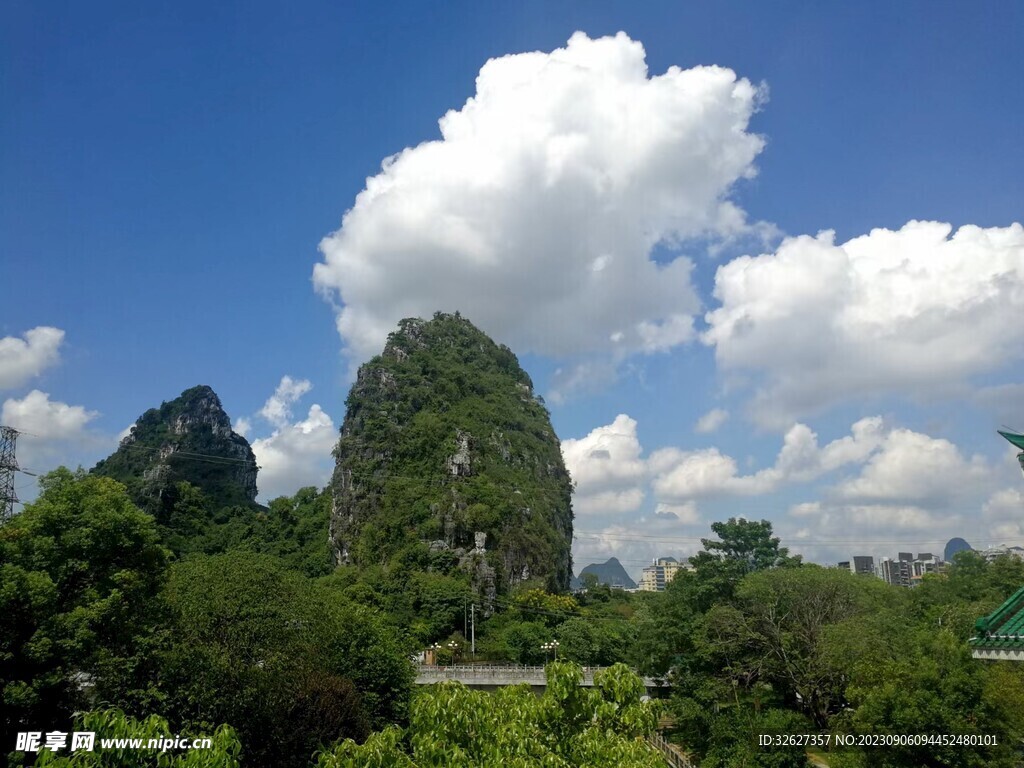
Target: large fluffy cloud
23,359
607,469
680,475
55,431
877,490
1003,514
914,467
911,311
295,454
44,418
612,476
914,492
536,212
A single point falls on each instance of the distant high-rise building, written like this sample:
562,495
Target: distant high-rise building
864,564
992,553
844,565
908,556
952,547
656,577
896,572
924,564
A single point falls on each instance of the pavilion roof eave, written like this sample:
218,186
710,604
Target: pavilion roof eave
1013,437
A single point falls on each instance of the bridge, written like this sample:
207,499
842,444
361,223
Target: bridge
498,675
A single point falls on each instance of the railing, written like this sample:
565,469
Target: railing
469,670
496,674
674,756
501,674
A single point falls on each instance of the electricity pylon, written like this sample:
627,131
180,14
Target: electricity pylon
8,468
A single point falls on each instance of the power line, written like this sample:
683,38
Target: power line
685,539
212,458
507,604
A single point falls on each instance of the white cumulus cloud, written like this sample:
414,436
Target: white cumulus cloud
613,478
679,474
916,467
711,420
607,469
920,310
55,431
895,489
296,455
25,358
536,212
1003,513
242,426
45,418
277,409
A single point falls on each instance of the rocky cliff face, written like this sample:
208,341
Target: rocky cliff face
187,439
444,447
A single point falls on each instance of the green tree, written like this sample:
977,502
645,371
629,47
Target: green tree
523,640
744,546
971,588
113,724
453,726
593,590
923,680
285,661
439,602
295,530
594,641
80,571
667,625
775,633
545,606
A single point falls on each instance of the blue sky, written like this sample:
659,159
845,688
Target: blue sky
167,174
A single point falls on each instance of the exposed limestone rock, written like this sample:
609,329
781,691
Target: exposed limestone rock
459,463
482,576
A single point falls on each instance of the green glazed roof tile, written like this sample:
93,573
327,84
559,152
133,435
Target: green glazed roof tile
1003,629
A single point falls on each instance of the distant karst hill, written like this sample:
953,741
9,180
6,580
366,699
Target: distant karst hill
611,573
446,455
187,439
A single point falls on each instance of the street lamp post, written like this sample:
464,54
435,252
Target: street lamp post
551,647
454,648
435,648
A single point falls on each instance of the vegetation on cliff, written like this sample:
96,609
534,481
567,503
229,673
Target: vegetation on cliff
185,441
444,438
183,464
